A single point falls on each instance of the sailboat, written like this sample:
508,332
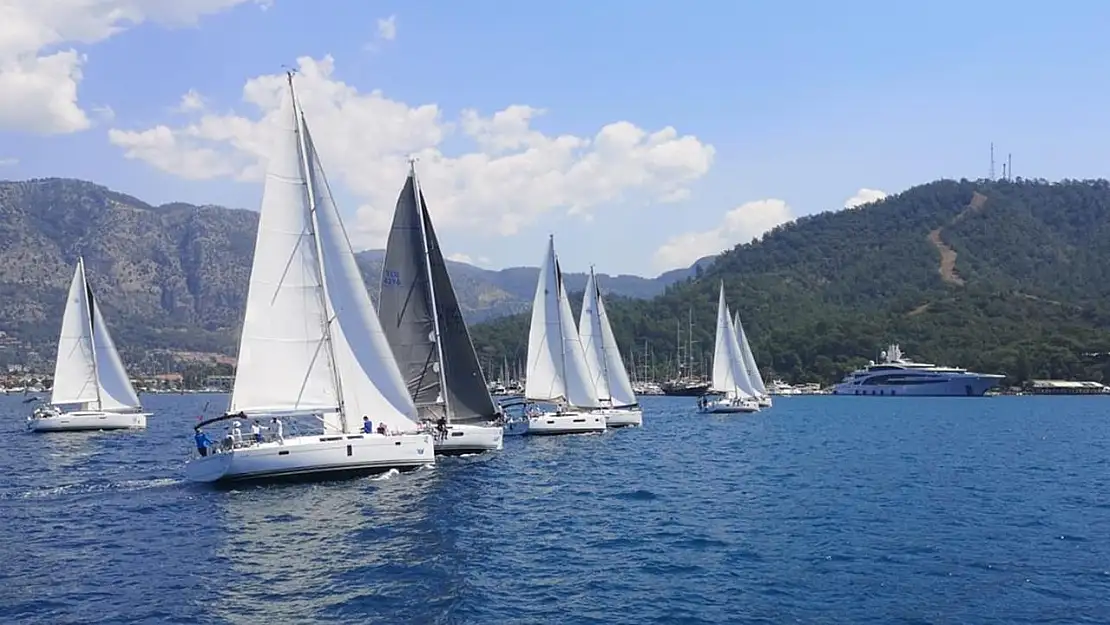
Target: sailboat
762,397
557,372
420,314
88,373
311,350
729,390
604,362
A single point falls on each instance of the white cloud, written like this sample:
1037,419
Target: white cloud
9,162
740,225
864,196
516,174
190,102
387,28
40,90
461,258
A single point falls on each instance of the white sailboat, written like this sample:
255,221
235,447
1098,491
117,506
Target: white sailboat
761,395
557,372
604,362
423,323
729,390
311,346
91,388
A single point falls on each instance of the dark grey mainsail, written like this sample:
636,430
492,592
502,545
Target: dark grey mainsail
416,292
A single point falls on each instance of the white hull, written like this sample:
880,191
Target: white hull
765,401
566,423
88,420
469,439
316,456
623,417
728,406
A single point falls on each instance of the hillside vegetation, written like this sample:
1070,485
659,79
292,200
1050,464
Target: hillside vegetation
997,276
174,277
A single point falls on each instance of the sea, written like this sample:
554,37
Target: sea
820,509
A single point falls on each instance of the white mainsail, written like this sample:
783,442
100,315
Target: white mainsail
752,369
603,357
88,369
728,368
310,340
557,370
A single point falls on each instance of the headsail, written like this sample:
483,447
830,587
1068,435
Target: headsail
75,366
420,313
116,391
603,357
557,369
752,369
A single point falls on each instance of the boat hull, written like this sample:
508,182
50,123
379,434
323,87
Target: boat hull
623,417
975,385
317,457
552,423
764,401
85,420
469,439
728,406
680,390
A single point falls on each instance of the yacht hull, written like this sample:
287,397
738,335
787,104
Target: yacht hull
469,439
552,423
623,417
955,386
315,457
84,420
764,402
728,406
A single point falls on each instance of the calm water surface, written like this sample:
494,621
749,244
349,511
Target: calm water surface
819,510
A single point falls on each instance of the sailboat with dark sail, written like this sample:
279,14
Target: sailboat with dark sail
423,323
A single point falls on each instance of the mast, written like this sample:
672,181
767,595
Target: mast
431,289
298,118
89,317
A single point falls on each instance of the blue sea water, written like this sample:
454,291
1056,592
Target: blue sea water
819,510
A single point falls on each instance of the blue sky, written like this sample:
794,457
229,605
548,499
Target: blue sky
787,108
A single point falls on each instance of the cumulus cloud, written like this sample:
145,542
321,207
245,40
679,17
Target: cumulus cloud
190,102
39,82
511,176
387,28
864,196
740,225
461,258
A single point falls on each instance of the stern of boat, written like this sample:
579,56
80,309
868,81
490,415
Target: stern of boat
469,439
566,423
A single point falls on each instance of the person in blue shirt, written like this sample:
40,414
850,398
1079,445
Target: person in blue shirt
203,442
367,427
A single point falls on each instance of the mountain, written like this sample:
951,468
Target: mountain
175,276
997,276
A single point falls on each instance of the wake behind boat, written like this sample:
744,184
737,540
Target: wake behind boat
91,388
557,371
423,323
311,348
730,390
604,362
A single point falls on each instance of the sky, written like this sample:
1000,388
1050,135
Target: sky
643,135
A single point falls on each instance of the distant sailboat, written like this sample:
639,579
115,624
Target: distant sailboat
756,379
557,372
730,389
604,362
311,345
423,323
88,373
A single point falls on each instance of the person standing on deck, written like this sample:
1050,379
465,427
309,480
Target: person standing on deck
367,426
203,442
279,430
256,431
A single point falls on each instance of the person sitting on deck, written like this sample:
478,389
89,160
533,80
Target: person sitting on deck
367,426
203,442
382,429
